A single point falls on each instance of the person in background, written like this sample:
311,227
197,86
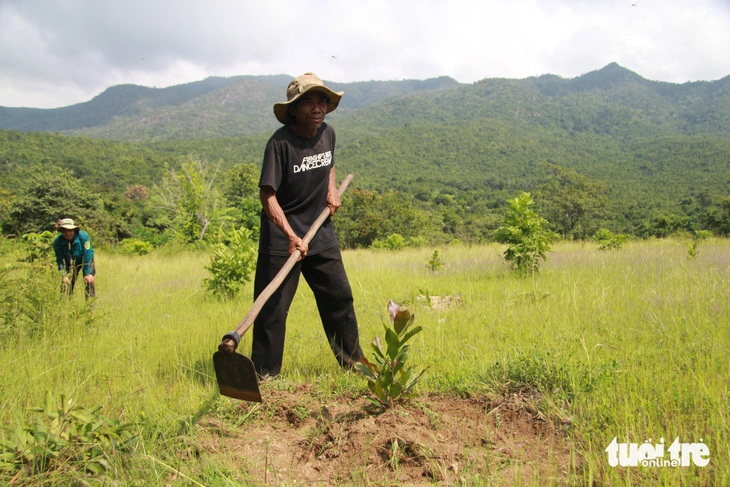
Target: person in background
297,183
74,254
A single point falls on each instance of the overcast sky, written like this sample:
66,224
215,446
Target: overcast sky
60,52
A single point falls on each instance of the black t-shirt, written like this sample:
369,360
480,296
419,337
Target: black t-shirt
298,169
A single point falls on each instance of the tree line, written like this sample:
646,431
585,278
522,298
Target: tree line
428,185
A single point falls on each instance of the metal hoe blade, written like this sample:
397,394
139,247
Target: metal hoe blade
236,376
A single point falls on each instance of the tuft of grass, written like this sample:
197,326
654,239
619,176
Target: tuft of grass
531,371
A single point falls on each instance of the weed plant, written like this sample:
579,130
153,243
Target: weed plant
63,440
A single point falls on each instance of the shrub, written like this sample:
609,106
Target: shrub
393,241
607,240
231,264
134,246
693,247
39,245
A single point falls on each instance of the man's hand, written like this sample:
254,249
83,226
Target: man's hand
89,279
296,243
66,284
333,201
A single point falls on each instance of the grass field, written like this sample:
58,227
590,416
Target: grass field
631,344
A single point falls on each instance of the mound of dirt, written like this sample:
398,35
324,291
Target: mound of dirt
299,439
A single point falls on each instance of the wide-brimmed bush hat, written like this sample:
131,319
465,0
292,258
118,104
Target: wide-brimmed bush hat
67,223
299,86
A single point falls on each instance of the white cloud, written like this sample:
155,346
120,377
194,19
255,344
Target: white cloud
59,52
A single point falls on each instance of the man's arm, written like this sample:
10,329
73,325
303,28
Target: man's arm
273,210
88,251
58,251
333,197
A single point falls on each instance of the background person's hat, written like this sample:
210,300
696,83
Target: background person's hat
299,86
67,223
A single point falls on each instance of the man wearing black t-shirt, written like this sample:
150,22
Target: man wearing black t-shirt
297,183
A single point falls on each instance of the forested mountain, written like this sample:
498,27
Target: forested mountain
214,107
606,149
652,146
612,100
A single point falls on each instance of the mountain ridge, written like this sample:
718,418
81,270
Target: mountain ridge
241,105
124,111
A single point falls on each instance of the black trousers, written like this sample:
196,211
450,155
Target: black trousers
325,275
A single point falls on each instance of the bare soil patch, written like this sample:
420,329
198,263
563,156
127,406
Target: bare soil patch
297,438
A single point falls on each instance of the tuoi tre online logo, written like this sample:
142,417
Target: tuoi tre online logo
654,455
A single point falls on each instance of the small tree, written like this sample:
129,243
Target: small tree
231,264
389,380
435,263
524,233
189,196
241,191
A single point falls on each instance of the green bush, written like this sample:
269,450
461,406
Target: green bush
39,245
134,246
231,264
393,241
607,240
